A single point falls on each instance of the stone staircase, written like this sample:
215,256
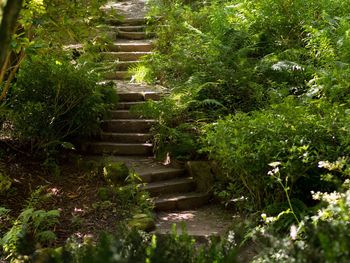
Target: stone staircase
125,136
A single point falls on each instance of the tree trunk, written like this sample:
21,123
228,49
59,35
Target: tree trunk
7,27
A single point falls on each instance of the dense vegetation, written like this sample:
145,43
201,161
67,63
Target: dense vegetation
258,88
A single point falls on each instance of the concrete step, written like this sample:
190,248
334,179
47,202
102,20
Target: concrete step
123,56
134,35
139,96
124,149
123,114
131,46
181,201
126,137
132,28
178,185
128,126
162,174
128,105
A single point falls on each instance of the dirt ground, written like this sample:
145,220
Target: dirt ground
73,192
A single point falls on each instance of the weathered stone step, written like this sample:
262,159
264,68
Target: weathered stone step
162,175
125,65
126,137
117,75
134,21
120,148
123,114
134,35
123,56
181,201
131,46
128,105
128,126
179,185
112,66
139,96
132,28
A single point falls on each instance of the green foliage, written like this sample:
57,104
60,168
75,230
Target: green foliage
136,246
115,173
323,237
32,227
298,136
54,101
174,132
125,193
233,56
5,183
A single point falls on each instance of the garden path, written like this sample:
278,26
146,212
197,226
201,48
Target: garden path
126,136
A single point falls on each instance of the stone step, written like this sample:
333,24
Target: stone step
128,126
131,46
132,28
125,65
178,185
134,35
134,21
123,56
126,137
123,114
117,75
139,96
123,149
181,201
128,105
112,66
162,174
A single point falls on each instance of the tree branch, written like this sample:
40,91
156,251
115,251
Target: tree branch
7,27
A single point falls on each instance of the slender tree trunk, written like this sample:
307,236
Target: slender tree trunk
7,27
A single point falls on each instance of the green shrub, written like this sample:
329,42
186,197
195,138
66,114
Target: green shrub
5,183
31,229
172,133
298,136
322,237
55,101
115,173
136,247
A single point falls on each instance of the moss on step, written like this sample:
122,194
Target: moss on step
201,172
115,173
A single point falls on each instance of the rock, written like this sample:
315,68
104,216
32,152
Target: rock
201,172
115,173
142,222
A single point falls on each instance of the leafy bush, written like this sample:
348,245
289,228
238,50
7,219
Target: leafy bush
323,237
115,173
244,55
172,133
55,101
32,228
138,247
298,136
